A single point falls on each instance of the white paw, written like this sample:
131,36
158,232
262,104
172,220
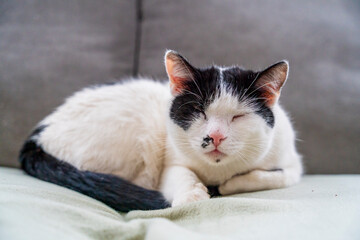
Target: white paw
196,194
224,189
238,184
256,180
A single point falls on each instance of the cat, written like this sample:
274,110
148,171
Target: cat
142,144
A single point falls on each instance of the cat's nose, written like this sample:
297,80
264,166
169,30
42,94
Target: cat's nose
217,138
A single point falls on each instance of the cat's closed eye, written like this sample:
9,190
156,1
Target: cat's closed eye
237,116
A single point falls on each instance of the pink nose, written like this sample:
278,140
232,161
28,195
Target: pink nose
217,138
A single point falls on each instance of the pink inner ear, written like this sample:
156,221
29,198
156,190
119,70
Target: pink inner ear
271,97
176,84
271,83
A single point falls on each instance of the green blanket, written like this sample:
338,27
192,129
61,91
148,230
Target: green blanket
320,207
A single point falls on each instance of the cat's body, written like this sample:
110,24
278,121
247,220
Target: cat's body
203,129
114,129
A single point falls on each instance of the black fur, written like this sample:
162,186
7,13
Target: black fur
206,85
207,141
242,82
111,190
213,191
276,170
188,106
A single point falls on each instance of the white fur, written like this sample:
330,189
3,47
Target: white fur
117,129
252,150
125,130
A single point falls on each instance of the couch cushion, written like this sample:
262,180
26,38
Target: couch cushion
320,207
321,39
49,49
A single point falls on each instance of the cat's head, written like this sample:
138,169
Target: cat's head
221,114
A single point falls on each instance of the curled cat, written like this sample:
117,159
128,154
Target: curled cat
142,144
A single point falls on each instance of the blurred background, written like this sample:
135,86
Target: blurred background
49,49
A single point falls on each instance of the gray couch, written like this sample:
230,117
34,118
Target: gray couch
49,49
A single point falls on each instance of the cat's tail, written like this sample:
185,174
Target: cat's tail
111,190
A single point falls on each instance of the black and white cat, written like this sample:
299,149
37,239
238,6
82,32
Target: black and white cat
148,145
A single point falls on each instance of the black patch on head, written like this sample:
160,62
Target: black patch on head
205,87
267,114
198,94
242,84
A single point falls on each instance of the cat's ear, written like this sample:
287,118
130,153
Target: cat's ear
271,80
179,71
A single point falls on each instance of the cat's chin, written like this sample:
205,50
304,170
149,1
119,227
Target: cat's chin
215,156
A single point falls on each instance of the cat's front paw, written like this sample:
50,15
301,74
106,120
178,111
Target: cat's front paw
255,180
240,183
226,189
196,194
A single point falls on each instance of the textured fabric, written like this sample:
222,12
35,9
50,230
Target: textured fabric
321,40
50,49
320,207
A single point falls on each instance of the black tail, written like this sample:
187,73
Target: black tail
111,190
